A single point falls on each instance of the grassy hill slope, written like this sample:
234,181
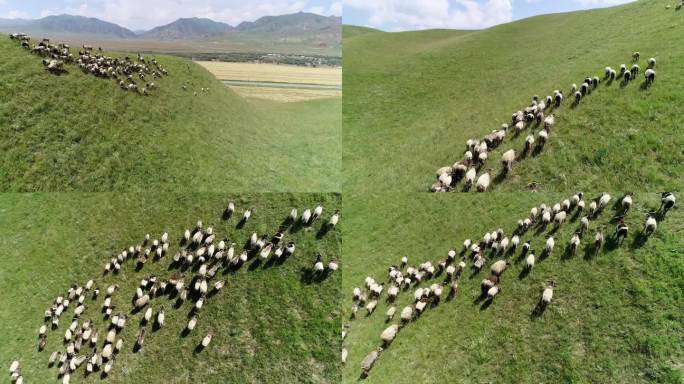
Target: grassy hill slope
270,323
412,99
79,132
614,318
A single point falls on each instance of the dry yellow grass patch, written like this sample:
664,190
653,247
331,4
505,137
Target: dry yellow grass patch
284,94
274,73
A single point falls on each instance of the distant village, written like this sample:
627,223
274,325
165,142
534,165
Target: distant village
271,58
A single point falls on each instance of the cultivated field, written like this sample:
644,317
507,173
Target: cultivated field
413,99
80,132
272,322
278,82
274,73
616,316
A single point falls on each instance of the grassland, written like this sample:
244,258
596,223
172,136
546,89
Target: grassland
271,323
412,99
79,132
616,317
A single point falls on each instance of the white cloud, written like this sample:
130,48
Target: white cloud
136,14
16,14
333,9
409,14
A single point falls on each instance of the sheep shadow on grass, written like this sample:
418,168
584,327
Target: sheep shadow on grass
567,253
309,276
325,228
227,214
639,240
241,223
185,332
254,264
538,310
485,304
524,273
644,85
198,349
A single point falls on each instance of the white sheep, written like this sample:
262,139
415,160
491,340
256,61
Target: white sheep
559,219
389,334
407,313
529,261
547,295
390,312
306,216
548,247
650,76
507,160
483,182
574,243
651,62
470,177
650,225
206,340
584,224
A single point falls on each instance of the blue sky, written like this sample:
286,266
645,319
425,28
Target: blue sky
399,15
145,14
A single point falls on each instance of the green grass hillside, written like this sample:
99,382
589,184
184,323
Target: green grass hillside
79,132
412,99
616,317
271,323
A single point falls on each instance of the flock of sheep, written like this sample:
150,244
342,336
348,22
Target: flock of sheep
201,253
495,245
126,72
533,116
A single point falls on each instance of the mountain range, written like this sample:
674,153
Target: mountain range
298,25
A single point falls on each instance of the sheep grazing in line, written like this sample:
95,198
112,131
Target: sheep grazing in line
607,72
613,74
574,243
592,208
626,202
558,98
389,334
390,312
548,247
635,70
206,340
160,317
406,314
667,201
334,219
369,360
584,88
636,56
499,267
549,122
507,160
483,182
547,294
598,240
558,219
623,69
492,292
650,225
584,224
306,216
603,201
650,76
529,261
627,77
621,231
651,62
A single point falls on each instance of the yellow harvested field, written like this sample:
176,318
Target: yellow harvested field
274,73
284,94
